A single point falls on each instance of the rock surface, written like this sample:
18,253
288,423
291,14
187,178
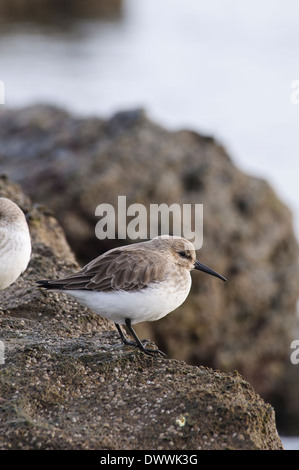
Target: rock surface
68,383
57,13
73,164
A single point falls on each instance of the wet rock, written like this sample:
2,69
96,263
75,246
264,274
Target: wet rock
73,164
68,383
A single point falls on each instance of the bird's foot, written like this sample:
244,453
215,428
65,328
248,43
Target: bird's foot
137,343
141,347
148,351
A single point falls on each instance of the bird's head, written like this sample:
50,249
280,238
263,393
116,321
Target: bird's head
185,255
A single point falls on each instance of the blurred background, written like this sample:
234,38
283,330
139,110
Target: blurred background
221,68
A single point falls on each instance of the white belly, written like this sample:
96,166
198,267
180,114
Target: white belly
15,251
149,304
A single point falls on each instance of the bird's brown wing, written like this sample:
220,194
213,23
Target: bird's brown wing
118,269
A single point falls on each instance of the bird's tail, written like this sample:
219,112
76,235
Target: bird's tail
49,284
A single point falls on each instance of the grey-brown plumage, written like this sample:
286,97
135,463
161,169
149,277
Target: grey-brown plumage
118,269
139,282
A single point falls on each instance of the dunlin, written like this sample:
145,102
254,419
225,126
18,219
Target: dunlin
15,244
135,283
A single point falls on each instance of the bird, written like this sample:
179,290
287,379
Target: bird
135,283
15,242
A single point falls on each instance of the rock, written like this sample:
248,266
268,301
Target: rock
68,383
74,164
47,11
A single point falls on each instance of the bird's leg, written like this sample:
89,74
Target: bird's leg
122,336
139,344
125,340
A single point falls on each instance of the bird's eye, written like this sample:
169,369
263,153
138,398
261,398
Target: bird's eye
185,254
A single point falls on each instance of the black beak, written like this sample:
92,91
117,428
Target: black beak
205,269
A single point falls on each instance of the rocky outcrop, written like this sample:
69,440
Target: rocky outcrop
73,164
49,11
68,383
